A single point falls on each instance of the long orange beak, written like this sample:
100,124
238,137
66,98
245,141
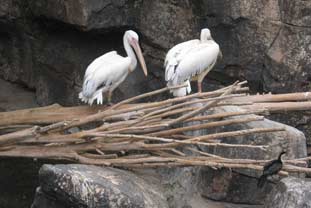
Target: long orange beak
140,56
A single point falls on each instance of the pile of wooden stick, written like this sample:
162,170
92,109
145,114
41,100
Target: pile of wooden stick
144,135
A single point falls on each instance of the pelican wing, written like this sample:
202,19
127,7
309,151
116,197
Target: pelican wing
177,49
104,73
97,63
195,61
175,55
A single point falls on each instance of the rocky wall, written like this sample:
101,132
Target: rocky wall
47,44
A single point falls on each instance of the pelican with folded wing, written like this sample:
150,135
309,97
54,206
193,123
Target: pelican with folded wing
108,71
191,60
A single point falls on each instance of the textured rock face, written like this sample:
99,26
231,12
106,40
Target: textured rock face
13,97
18,177
89,14
299,120
265,42
240,186
296,13
289,57
90,186
290,192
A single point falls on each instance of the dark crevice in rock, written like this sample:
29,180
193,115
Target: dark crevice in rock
239,20
275,38
293,25
233,203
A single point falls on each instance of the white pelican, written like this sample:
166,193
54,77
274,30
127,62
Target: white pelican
191,60
108,71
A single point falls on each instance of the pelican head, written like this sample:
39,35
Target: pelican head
206,34
132,38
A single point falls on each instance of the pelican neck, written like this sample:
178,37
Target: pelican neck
130,53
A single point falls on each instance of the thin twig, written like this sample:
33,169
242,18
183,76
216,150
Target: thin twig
149,94
204,108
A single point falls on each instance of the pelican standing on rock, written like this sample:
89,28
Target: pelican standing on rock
108,71
191,60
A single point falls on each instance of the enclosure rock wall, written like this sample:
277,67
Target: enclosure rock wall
46,44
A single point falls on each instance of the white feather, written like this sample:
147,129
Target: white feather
189,59
181,91
177,49
198,59
97,63
107,71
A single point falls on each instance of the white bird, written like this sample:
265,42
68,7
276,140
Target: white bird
191,60
108,71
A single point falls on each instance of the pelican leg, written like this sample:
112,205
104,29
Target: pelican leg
109,97
199,86
200,79
203,74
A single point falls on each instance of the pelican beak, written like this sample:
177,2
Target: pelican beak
140,56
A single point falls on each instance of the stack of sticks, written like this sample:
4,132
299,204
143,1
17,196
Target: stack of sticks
145,135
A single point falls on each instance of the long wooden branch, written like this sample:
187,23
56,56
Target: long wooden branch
152,129
236,133
300,96
18,136
191,102
102,115
56,113
146,95
280,107
228,114
207,125
205,107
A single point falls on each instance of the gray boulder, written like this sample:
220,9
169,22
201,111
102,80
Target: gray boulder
240,185
93,187
290,193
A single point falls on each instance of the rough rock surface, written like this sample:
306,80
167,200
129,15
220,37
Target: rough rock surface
91,186
18,181
17,190
89,14
300,120
290,192
240,186
265,42
57,190
13,97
